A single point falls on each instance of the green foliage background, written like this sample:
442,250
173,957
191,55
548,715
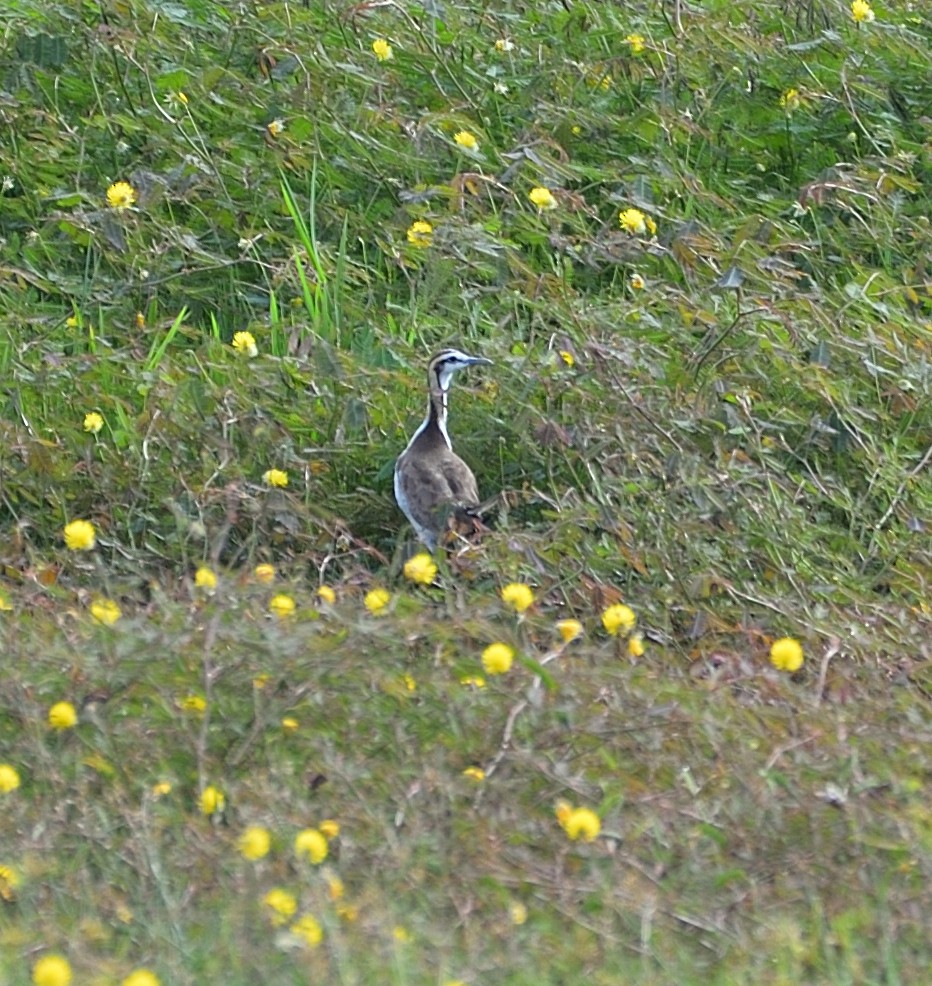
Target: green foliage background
740,449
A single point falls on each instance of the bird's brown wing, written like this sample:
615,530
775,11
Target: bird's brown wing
444,483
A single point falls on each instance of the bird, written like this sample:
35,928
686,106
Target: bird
432,483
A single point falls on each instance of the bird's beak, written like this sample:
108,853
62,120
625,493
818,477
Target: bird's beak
479,361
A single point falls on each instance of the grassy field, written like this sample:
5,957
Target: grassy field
695,241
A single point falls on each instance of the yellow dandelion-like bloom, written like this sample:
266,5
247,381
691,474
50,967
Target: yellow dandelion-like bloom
473,681
193,703
311,844
212,800
408,683
335,887
282,605
275,127
518,596
52,970
140,320
264,573
637,282
254,843
141,977
465,139
517,912
105,611
786,654
791,100
636,645
205,578
420,233
633,220
474,773
421,569
651,226
567,358
93,422
245,343
497,658
636,41
329,828
9,778
619,619
542,197
326,595
275,477
582,824
569,629
80,535
290,724
282,903
401,934
377,599
382,49
308,929
453,982
62,715
503,44
862,12
72,321
9,881
121,195
161,789
260,681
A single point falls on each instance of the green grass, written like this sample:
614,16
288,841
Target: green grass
726,425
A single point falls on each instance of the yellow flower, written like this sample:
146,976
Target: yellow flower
80,535
254,843
275,477
193,703
473,680
786,654
569,629
121,195
276,127
327,595
401,934
861,11
421,569
582,823
497,658
408,683
72,321
93,422
9,778
141,977
245,343
517,912
619,618
377,599
9,881
329,828
51,970
474,773
63,715
420,233
140,320
281,605
308,929
205,578
465,139
382,49
542,198
567,358
335,887
563,810
260,681
290,724
311,844
161,789
637,282
636,645
212,800
105,611
633,220
637,43
518,596
264,573
503,44
281,903
349,912
791,100
651,226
